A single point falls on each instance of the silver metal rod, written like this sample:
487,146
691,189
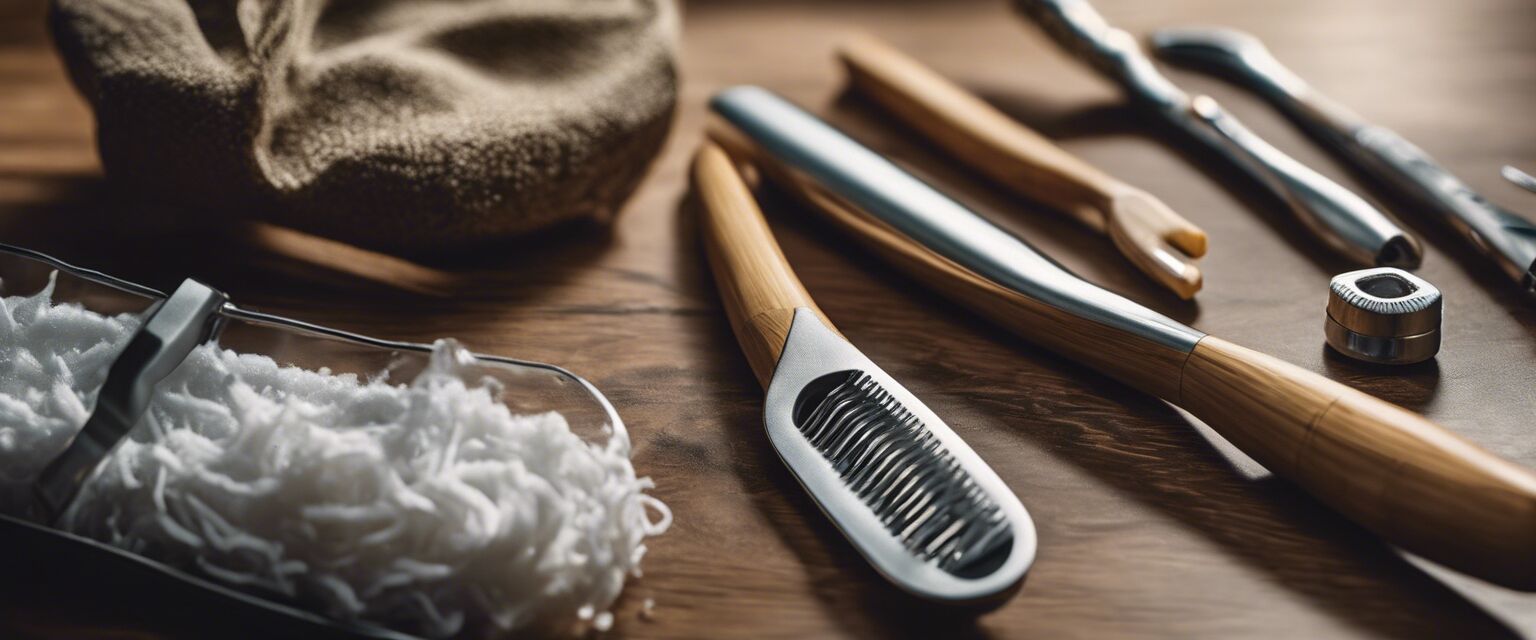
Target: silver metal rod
1509,239
1338,216
1519,178
851,171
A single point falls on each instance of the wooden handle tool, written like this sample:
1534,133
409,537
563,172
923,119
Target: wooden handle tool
853,436
1388,469
758,287
1158,241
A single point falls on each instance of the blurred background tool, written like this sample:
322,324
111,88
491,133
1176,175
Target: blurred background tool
1520,178
1507,238
1335,214
1449,500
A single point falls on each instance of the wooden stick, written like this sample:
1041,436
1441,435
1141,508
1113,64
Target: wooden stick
759,290
1153,237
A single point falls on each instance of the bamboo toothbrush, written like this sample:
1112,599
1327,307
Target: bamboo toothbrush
1158,241
910,495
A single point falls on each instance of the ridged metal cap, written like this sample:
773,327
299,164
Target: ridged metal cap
1384,315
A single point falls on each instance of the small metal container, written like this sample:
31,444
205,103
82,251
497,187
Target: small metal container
1384,315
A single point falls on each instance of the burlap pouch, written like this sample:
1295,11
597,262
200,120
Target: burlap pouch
405,125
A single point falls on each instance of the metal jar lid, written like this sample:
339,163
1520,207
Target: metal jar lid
1384,315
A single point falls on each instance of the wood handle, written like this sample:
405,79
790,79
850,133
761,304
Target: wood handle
1144,229
759,290
967,127
1388,469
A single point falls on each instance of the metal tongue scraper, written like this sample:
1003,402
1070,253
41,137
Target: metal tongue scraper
910,495
1338,216
1505,237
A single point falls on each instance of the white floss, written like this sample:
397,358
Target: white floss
429,507
53,361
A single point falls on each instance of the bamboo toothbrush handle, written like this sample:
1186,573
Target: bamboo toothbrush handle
759,290
1388,469
967,127
1144,229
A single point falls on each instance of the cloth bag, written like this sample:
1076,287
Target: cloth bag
405,125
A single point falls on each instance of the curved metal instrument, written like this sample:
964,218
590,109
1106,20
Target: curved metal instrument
1507,238
1338,216
913,207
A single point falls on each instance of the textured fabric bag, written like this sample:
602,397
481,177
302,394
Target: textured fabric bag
406,125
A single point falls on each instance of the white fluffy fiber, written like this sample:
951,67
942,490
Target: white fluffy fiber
427,507
53,361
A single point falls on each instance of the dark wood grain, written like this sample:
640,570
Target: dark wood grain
1150,526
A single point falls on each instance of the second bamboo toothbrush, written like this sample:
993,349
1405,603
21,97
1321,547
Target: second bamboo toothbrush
1161,243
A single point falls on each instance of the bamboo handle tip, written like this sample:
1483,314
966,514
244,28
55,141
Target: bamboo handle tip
859,45
1160,242
708,152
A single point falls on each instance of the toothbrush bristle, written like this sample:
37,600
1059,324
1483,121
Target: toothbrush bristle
902,472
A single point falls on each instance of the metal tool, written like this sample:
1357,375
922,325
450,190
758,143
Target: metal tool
910,495
1383,315
1389,469
1158,241
175,327
1504,236
1342,219
1519,178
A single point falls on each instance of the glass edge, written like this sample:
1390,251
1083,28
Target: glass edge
233,311
230,310
83,273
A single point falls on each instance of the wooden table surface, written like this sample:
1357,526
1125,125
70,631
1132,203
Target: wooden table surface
1150,526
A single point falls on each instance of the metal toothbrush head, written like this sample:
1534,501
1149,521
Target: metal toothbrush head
894,463
913,498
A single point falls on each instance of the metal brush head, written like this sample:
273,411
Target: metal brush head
900,470
915,500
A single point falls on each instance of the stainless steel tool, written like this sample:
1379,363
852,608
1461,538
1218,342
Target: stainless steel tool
1342,219
1389,469
910,495
1519,178
1504,236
